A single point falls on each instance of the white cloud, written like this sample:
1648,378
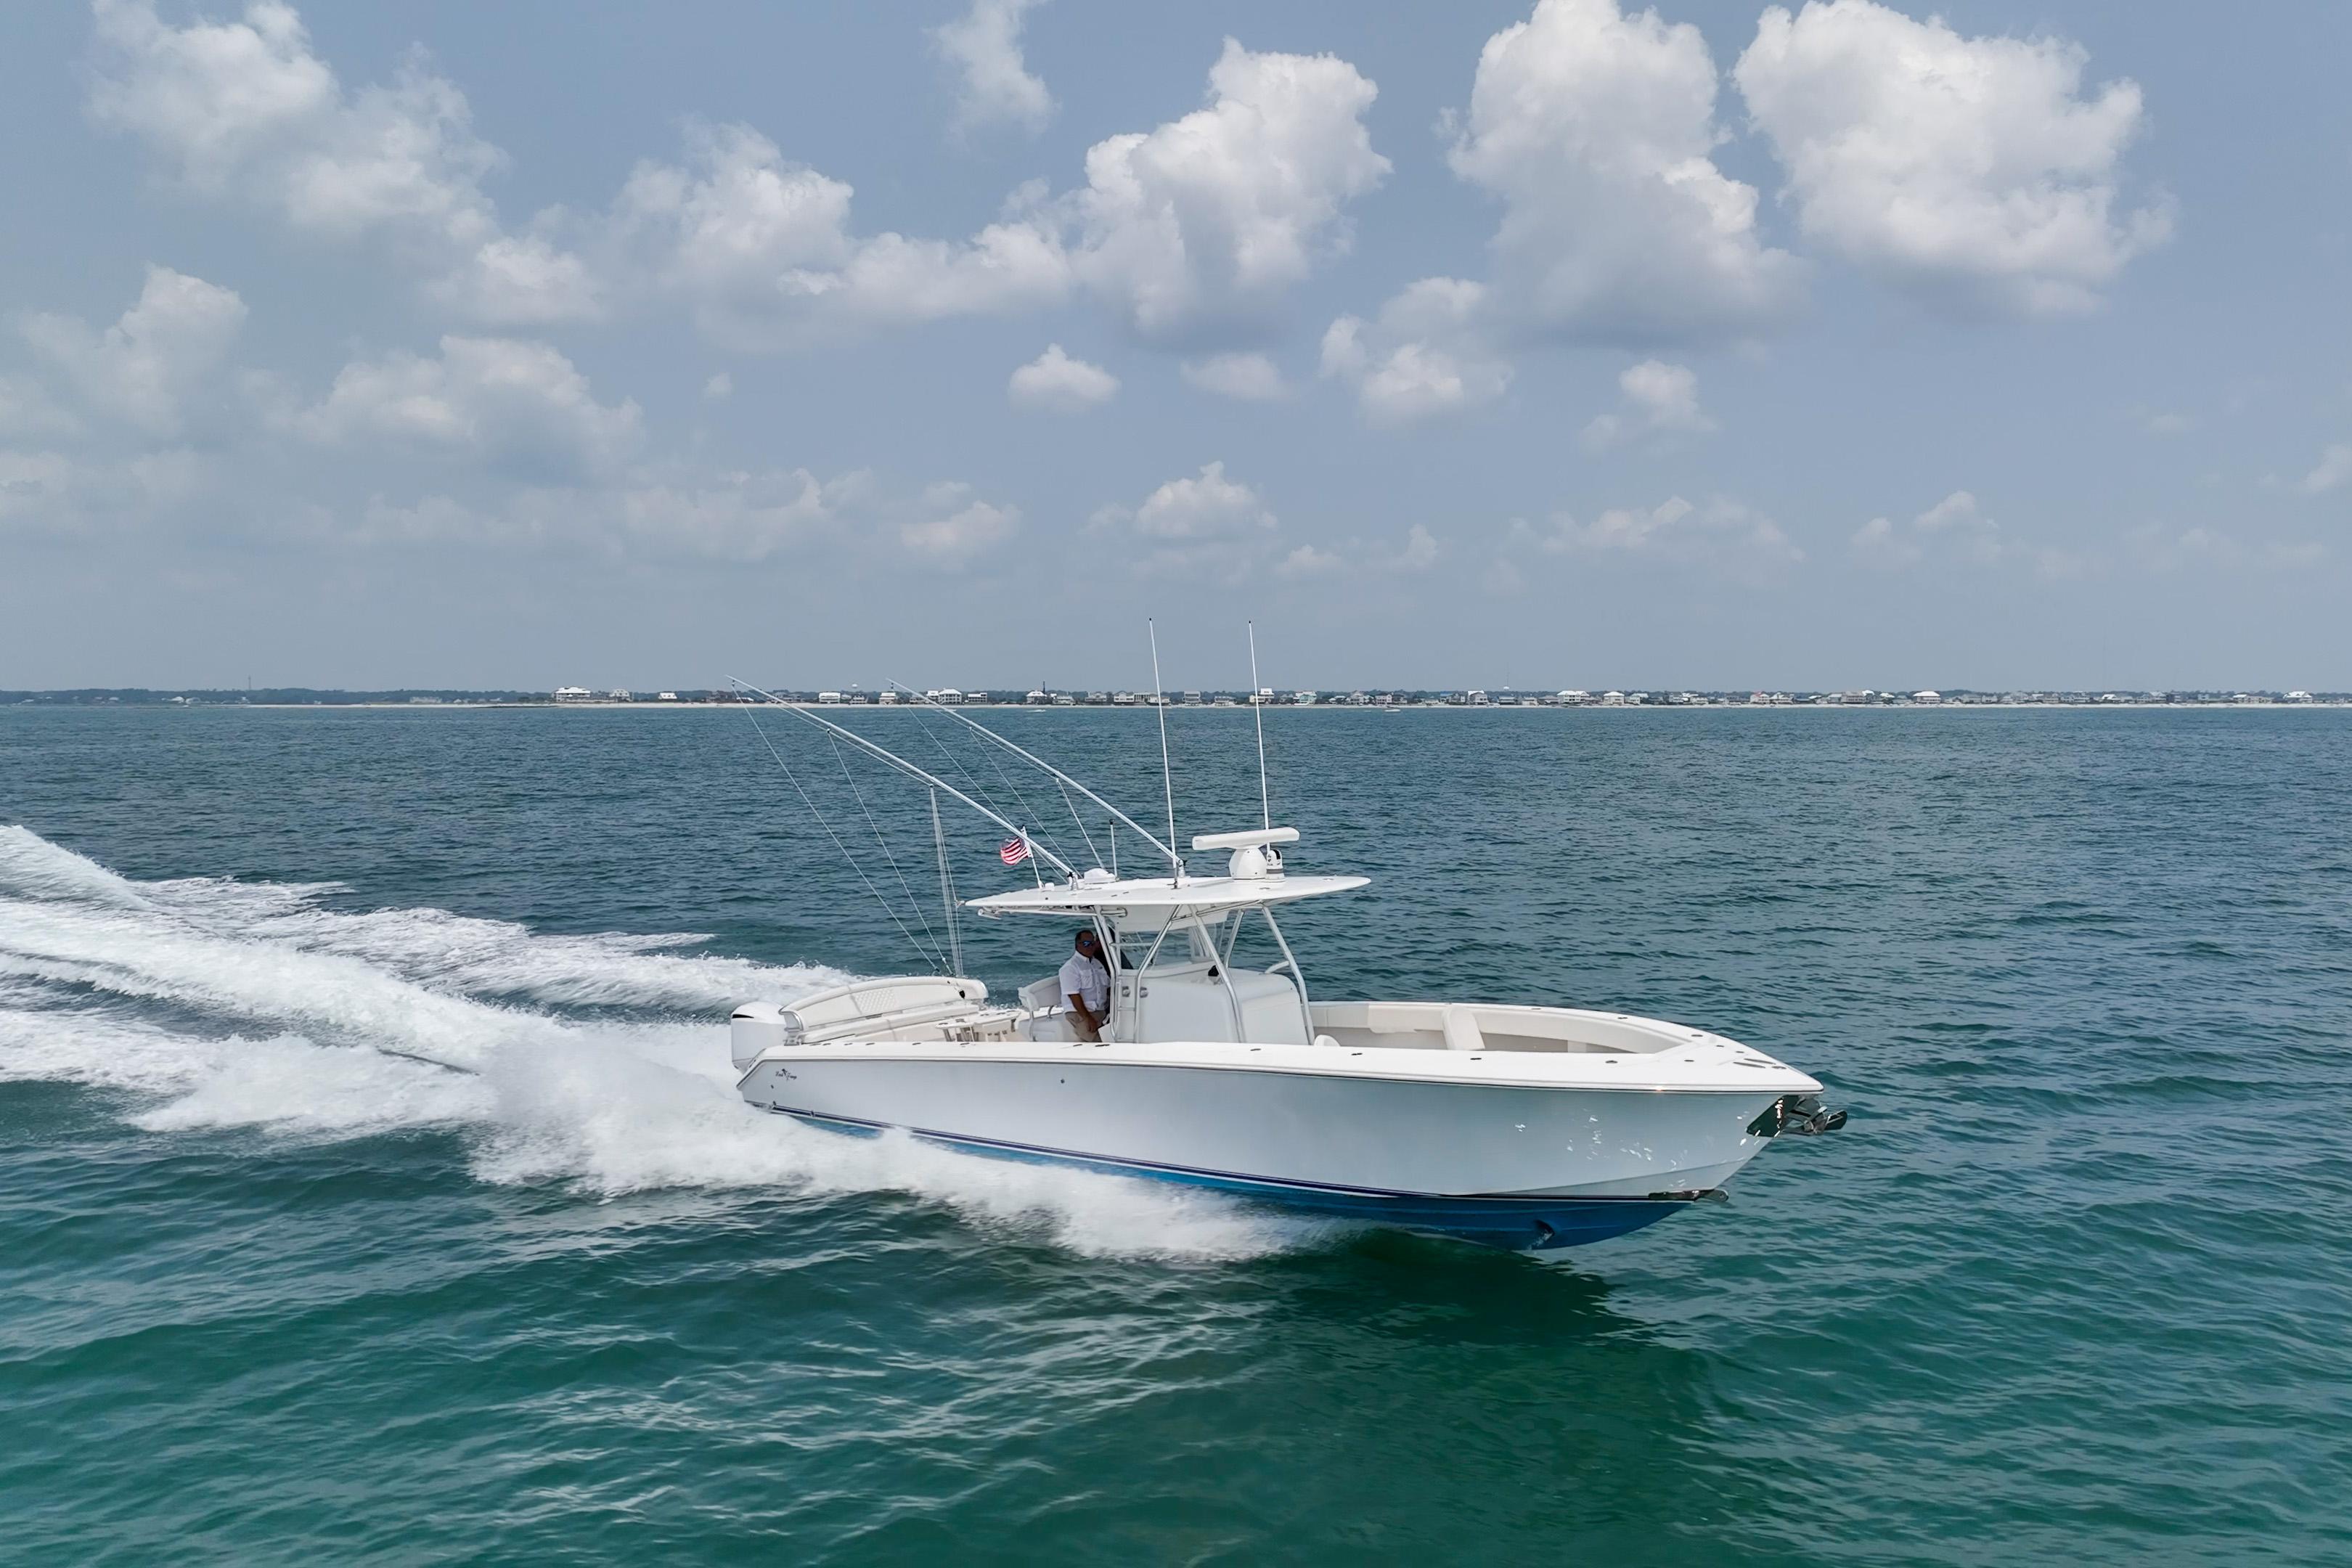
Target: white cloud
1194,229
2335,468
520,280
1197,229
1056,383
1420,551
52,492
1666,394
736,217
997,86
2204,548
1970,170
1956,512
147,366
753,516
1424,357
27,413
35,489
522,521
1597,131
490,441
1358,556
954,526
683,511
1204,525
1005,267
1660,398
244,110
672,511
520,405
1206,506
759,248
1247,377
1956,531
1723,532
1307,561
217,96
1878,540
719,388
1957,521
736,515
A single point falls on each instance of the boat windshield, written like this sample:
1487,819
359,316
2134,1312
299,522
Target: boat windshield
1187,942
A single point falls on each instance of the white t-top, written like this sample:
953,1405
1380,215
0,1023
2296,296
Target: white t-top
1086,979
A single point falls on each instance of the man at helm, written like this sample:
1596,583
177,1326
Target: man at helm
1086,986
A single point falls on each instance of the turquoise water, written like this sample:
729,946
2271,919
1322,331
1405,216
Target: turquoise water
374,1192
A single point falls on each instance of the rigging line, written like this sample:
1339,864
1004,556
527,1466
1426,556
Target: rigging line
932,735
978,788
829,833
1094,854
808,715
912,902
1030,810
1040,763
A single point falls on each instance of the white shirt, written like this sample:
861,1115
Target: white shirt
1086,979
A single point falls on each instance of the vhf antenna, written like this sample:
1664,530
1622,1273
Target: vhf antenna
1257,707
1167,779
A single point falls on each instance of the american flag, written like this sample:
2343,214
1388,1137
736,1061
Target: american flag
1012,851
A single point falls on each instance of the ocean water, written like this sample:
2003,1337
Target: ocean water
372,1189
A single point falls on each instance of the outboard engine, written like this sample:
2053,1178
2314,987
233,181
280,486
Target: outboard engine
760,1027
1801,1114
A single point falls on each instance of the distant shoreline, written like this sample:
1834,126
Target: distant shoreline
1417,705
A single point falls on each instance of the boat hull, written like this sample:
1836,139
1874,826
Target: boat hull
1510,1165
1515,1224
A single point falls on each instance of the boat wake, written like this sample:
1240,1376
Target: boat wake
594,1062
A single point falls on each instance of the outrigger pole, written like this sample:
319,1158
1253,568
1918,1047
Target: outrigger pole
947,888
1032,758
1160,706
893,760
1258,707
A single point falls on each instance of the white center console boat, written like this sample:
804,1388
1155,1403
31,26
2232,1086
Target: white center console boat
1519,1127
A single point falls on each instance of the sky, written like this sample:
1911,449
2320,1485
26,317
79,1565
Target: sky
1718,345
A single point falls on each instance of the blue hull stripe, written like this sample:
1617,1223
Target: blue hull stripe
1516,1222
